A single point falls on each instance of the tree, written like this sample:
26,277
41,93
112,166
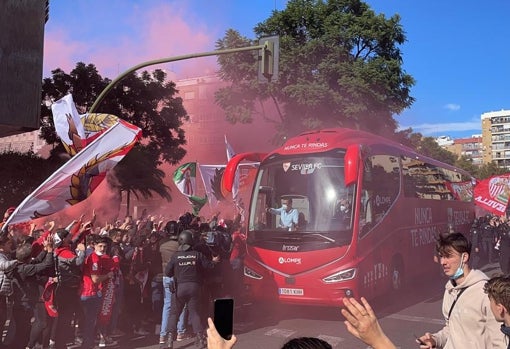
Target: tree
146,100
490,169
16,187
466,163
340,65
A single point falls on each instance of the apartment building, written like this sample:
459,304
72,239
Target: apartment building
471,147
496,137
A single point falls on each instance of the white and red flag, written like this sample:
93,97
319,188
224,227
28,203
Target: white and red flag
493,193
108,140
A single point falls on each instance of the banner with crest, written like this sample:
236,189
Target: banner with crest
492,194
77,179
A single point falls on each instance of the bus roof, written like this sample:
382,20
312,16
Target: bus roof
340,138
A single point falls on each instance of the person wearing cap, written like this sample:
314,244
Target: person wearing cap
68,264
187,268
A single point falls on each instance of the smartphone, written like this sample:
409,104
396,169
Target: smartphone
419,340
224,316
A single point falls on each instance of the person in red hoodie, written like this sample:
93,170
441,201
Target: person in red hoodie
97,270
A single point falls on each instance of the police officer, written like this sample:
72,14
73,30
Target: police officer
488,235
186,267
474,232
504,245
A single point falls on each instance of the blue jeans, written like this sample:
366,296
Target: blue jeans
167,301
91,307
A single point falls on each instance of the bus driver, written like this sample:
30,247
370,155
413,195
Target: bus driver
288,216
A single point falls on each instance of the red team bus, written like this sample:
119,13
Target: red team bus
369,208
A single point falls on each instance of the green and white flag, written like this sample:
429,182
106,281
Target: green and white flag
197,203
185,178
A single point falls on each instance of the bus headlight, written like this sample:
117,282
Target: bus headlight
343,275
250,273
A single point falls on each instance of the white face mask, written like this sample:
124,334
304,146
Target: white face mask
285,207
342,207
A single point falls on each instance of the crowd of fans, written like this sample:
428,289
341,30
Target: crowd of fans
87,284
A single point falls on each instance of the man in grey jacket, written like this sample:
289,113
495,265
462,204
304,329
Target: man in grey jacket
466,308
6,265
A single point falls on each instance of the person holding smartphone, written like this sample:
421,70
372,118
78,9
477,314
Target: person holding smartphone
360,321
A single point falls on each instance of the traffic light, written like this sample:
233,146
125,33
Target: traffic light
270,54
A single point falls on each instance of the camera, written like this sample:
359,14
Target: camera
212,238
219,241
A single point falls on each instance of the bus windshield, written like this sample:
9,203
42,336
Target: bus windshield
302,197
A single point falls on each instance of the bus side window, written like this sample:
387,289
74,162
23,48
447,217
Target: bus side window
380,188
366,219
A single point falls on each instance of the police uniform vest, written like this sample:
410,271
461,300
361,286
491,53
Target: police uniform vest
188,266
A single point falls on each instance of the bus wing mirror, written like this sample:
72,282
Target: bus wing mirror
227,180
351,164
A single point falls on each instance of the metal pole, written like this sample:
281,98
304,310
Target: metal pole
166,60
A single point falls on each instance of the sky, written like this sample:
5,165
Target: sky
456,50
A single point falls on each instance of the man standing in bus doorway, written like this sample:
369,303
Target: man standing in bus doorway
467,311
288,216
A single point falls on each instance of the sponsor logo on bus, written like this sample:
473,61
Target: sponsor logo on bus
293,260
379,271
292,248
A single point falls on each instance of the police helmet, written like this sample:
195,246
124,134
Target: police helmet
185,238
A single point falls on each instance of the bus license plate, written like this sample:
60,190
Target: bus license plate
291,291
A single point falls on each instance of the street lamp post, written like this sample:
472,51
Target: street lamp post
107,89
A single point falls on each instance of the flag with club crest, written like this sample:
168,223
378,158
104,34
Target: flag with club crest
493,193
77,179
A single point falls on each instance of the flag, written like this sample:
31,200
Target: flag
230,150
185,178
462,191
197,203
493,193
235,187
77,179
77,131
211,177
68,124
